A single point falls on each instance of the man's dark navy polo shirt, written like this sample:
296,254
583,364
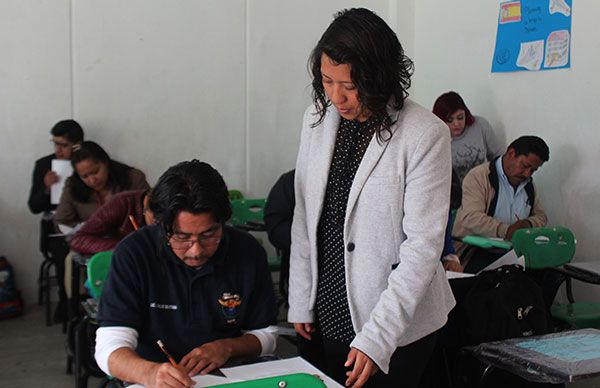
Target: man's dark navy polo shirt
152,291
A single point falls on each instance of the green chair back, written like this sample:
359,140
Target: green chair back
235,194
244,210
97,271
544,247
296,380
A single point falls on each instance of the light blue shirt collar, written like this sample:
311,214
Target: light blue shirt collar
511,203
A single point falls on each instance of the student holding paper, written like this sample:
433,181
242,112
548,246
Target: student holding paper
65,134
372,185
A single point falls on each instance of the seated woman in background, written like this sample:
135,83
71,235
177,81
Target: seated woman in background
473,139
95,178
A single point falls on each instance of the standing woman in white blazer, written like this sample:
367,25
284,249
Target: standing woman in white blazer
367,288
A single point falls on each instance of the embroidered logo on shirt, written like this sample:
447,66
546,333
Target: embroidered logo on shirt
163,306
229,305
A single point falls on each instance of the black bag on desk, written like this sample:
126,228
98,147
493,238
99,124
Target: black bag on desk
10,298
503,303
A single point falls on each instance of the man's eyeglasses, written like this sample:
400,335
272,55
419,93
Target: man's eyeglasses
61,144
205,240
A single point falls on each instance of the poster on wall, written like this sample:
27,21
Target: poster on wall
533,35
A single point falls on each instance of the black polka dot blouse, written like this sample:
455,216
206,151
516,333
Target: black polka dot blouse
333,313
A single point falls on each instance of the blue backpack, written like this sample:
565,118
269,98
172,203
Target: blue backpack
10,298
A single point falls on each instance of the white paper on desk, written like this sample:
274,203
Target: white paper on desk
508,259
277,368
203,381
63,169
68,231
458,275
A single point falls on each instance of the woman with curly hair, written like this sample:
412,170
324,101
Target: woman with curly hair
367,289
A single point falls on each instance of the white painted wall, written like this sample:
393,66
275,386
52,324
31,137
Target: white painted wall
35,92
156,82
454,44
281,37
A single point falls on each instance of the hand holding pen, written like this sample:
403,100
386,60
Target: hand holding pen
171,374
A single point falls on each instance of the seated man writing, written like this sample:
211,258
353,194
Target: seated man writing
499,197
201,287
124,213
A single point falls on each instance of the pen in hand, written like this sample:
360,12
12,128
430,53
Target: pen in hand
169,357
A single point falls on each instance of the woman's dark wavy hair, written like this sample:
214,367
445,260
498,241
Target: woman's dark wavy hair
118,173
450,102
380,70
195,187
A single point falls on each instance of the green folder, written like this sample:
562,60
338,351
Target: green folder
485,242
296,380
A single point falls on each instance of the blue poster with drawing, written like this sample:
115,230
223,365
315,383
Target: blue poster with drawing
533,35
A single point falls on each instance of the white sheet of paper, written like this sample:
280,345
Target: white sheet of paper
458,275
68,231
509,258
63,169
559,6
531,55
277,368
557,49
203,381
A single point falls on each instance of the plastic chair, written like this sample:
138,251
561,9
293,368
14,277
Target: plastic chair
54,248
235,194
85,332
544,247
553,248
545,250
97,271
248,214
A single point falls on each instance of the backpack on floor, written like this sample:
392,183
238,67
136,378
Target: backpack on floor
504,303
10,298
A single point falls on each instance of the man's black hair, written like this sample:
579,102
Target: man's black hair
194,187
69,129
526,145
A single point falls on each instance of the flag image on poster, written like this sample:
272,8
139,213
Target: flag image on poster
533,35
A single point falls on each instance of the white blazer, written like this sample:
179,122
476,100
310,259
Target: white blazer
396,218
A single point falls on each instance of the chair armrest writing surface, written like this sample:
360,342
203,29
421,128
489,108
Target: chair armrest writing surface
486,242
296,380
585,272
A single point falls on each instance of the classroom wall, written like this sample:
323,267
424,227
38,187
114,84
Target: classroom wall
454,43
157,82
35,92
